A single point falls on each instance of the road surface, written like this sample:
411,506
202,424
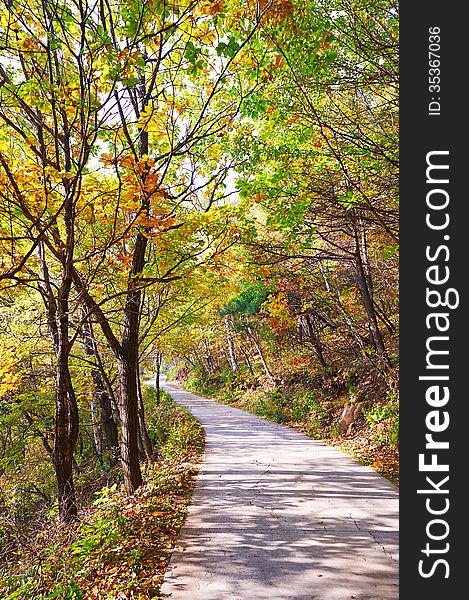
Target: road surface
276,515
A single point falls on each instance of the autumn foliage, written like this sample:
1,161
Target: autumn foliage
205,188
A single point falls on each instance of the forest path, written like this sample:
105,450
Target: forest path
276,515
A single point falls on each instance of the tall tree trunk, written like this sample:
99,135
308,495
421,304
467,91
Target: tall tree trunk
146,442
104,426
365,286
65,439
157,376
231,348
128,360
315,340
208,358
129,425
260,352
129,372
66,410
66,432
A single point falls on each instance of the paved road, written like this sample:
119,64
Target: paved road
278,516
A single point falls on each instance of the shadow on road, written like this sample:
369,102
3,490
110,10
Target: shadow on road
278,515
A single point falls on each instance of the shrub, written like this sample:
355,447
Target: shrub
303,404
384,421
271,406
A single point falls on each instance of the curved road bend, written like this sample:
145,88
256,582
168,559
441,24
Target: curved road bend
276,515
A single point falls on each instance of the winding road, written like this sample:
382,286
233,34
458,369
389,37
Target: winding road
276,515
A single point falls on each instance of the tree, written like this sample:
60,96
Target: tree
137,78
325,131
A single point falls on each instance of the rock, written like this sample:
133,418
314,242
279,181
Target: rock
349,415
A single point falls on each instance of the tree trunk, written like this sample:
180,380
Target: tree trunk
96,426
104,426
157,377
260,352
208,358
248,362
384,318
199,359
129,425
231,348
65,439
66,409
365,286
146,442
108,423
110,414
315,340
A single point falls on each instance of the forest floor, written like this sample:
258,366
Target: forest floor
277,514
120,546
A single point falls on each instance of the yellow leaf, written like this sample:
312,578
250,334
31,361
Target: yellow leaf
107,158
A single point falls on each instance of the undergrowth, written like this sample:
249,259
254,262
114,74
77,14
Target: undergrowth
120,547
